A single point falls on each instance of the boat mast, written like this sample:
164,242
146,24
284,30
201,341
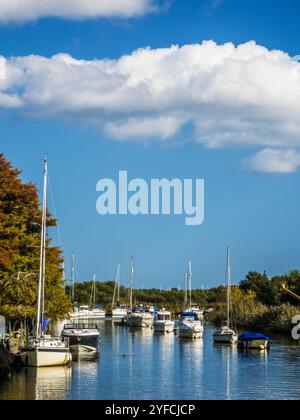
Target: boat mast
94,289
228,276
185,289
41,287
119,283
131,283
190,281
93,293
73,278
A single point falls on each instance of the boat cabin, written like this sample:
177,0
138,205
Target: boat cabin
163,316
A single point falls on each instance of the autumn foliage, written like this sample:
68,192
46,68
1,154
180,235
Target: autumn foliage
20,226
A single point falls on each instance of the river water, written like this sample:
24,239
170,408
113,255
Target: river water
144,366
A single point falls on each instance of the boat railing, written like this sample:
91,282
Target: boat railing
81,327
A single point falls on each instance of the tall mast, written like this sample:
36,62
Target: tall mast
185,290
119,283
94,289
228,278
73,278
116,288
131,283
190,281
93,293
41,287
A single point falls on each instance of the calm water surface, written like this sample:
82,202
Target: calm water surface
143,365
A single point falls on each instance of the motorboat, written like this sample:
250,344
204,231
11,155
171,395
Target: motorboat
190,326
163,322
82,337
141,317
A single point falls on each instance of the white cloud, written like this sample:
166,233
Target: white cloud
14,11
229,96
274,161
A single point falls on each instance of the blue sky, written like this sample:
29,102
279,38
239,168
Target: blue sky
254,212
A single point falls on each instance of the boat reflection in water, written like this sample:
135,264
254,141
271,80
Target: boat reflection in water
47,383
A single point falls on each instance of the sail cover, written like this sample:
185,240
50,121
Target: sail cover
45,323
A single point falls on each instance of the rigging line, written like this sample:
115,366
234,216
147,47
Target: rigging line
54,212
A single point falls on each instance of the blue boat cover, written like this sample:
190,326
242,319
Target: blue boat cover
189,315
248,336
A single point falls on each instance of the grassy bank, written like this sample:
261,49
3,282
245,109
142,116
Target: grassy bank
248,313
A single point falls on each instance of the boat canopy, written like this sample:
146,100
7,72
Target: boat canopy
248,336
189,315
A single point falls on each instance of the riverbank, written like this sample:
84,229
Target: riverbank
277,319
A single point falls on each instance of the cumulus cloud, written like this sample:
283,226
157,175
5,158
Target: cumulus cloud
16,11
274,161
228,96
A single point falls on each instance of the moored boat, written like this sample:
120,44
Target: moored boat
163,322
254,341
118,310
226,334
44,350
190,326
140,317
83,338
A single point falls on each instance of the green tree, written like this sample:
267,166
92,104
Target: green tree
20,226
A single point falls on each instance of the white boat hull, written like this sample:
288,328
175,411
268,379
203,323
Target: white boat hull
262,345
226,338
119,313
164,326
140,321
46,357
191,330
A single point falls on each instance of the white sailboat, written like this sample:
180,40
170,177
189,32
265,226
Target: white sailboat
44,350
96,310
190,326
118,310
140,316
225,334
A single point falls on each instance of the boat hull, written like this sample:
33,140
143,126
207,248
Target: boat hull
261,345
119,314
191,329
46,357
190,334
225,338
83,344
140,322
164,327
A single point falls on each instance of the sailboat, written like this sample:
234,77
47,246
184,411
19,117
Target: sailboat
44,350
140,316
118,310
96,310
225,334
190,326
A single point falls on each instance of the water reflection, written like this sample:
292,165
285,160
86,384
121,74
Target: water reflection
138,364
51,383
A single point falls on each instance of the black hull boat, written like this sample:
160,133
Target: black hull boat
83,338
